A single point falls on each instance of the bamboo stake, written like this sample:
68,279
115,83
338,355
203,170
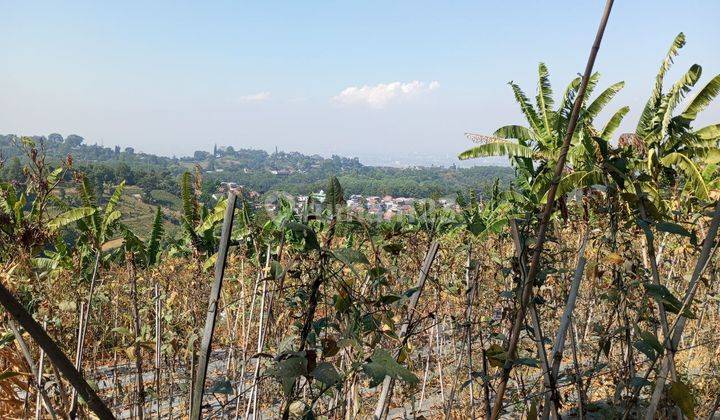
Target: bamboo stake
559,345
312,304
439,353
246,339
78,356
33,369
140,397
57,357
388,382
472,291
84,319
205,346
41,365
467,339
427,366
547,212
158,347
549,381
578,377
672,340
253,399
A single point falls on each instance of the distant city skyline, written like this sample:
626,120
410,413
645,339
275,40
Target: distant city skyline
383,81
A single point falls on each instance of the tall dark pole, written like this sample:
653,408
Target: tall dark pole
57,357
545,217
205,345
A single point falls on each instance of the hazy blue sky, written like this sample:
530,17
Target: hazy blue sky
383,78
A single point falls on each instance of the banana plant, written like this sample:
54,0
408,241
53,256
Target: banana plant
670,146
99,225
483,219
198,221
532,149
145,253
25,223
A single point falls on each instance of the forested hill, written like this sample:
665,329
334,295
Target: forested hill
257,170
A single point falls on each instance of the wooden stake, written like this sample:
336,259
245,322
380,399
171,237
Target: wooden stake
205,345
388,382
56,356
545,217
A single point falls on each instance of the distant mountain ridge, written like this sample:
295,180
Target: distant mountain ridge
257,170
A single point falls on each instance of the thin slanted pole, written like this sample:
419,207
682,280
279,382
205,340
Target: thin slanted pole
388,382
205,345
82,329
549,382
671,342
545,217
559,345
35,371
57,357
41,366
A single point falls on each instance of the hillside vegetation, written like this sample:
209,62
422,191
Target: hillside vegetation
584,287
256,170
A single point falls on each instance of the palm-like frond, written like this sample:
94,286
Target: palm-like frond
517,132
544,97
88,198
335,195
603,99
592,83
676,94
614,123
566,103
576,180
188,199
153,247
526,108
211,219
86,193
483,139
709,133
644,123
70,216
497,149
114,198
712,156
702,99
691,170
111,215
674,50
708,156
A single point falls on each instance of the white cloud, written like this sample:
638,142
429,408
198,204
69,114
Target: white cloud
255,97
380,95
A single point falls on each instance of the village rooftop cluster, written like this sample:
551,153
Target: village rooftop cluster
385,206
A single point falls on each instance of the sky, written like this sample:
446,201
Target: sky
397,81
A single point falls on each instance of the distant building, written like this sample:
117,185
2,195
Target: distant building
281,172
319,196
